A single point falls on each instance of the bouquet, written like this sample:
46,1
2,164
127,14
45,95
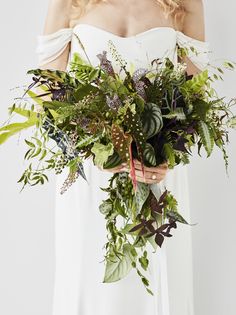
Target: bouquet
154,115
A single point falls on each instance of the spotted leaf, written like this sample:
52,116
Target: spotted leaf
121,142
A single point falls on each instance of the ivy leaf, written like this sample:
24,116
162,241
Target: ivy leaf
105,207
144,261
102,152
118,268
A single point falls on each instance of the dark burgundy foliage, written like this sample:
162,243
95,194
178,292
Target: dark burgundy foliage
147,227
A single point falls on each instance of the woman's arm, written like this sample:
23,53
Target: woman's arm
58,17
194,26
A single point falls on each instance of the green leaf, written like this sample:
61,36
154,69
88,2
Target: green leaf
56,104
176,216
102,152
35,97
44,153
30,144
118,268
151,119
127,228
113,161
206,135
169,153
26,113
178,113
201,108
149,154
87,140
151,240
141,195
14,128
83,91
156,190
77,60
144,261
196,84
105,207
36,153
119,208
228,65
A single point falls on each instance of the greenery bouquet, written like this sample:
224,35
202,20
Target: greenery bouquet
153,115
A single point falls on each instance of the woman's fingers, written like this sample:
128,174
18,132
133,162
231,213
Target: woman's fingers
147,180
119,168
161,169
149,175
158,172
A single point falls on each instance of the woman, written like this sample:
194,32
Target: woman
141,31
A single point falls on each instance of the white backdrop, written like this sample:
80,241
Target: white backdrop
27,227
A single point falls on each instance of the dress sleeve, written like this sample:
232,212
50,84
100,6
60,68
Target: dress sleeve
197,51
50,46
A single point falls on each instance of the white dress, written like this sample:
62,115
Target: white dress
80,227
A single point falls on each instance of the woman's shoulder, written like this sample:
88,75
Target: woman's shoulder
193,23
191,6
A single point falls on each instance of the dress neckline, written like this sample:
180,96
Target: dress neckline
153,29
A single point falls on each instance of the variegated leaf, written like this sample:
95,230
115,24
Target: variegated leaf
206,135
121,142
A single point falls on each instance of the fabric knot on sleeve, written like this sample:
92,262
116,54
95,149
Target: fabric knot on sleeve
50,46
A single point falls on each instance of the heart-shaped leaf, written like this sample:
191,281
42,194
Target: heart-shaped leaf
118,268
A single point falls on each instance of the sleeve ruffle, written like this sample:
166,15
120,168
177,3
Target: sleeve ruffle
50,46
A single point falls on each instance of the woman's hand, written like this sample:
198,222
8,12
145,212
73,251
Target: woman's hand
119,168
152,175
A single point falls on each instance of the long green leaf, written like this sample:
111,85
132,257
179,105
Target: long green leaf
35,97
14,128
206,135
